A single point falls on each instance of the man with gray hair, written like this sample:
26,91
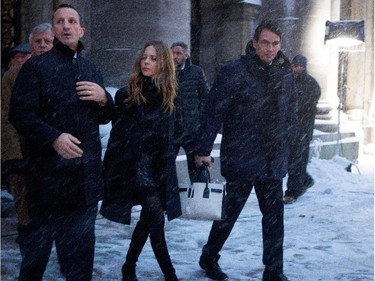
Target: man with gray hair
192,89
41,40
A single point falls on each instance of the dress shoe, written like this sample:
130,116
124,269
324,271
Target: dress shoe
210,265
269,276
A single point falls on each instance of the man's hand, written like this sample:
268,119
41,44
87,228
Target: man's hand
90,91
201,160
66,146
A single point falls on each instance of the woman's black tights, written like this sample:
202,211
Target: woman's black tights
151,223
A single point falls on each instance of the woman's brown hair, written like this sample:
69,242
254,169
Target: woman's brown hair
165,79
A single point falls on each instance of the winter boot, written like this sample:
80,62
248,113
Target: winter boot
128,272
171,277
270,276
210,265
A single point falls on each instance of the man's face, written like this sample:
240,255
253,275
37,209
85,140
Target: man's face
41,42
179,56
67,28
267,46
18,59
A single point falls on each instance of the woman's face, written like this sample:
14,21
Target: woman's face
148,62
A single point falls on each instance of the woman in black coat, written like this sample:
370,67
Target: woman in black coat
139,164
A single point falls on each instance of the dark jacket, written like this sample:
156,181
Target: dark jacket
45,104
140,153
256,104
192,89
308,96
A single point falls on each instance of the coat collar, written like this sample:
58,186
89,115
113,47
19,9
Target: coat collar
57,45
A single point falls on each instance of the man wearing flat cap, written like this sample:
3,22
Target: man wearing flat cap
308,96
17,56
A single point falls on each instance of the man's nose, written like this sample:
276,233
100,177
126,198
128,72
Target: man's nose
66,24
43,44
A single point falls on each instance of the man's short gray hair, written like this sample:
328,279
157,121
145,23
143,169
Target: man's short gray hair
39,28
181,44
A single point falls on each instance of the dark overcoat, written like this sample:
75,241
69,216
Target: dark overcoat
192,90
124,158
256,104
308,96
45,104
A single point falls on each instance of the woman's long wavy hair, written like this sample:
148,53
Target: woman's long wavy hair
164,80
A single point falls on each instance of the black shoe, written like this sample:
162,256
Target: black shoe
129,277
171,278
212,268
309,183
128,273
269,276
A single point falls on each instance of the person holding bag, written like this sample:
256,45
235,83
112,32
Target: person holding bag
139,164
254,100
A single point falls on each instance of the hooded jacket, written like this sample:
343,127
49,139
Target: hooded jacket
45,104
256,104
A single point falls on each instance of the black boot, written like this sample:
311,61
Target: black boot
128,272
209,264
171,277
271,276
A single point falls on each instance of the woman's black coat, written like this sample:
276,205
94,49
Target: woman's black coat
122,160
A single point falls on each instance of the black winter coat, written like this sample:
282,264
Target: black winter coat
45,104
308,96
257,106
192,90
141,140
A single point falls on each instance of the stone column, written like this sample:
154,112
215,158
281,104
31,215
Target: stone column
32,14
120,28
369,93
226,29
303,24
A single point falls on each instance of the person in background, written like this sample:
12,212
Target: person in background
308,96
57,104
192,89
41,40
17,56
255,101
139,163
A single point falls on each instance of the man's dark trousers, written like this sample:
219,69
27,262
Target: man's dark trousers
297,164
192,168
270,198
73,231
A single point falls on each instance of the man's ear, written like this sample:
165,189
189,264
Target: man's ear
82,32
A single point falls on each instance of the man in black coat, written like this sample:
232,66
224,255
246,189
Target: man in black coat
192,89
308,96
255,101
57,105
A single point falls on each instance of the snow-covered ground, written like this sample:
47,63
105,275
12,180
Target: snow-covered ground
329,235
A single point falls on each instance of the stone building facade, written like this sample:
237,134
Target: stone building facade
217,31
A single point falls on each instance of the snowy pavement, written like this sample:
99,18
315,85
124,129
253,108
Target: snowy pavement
329,235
